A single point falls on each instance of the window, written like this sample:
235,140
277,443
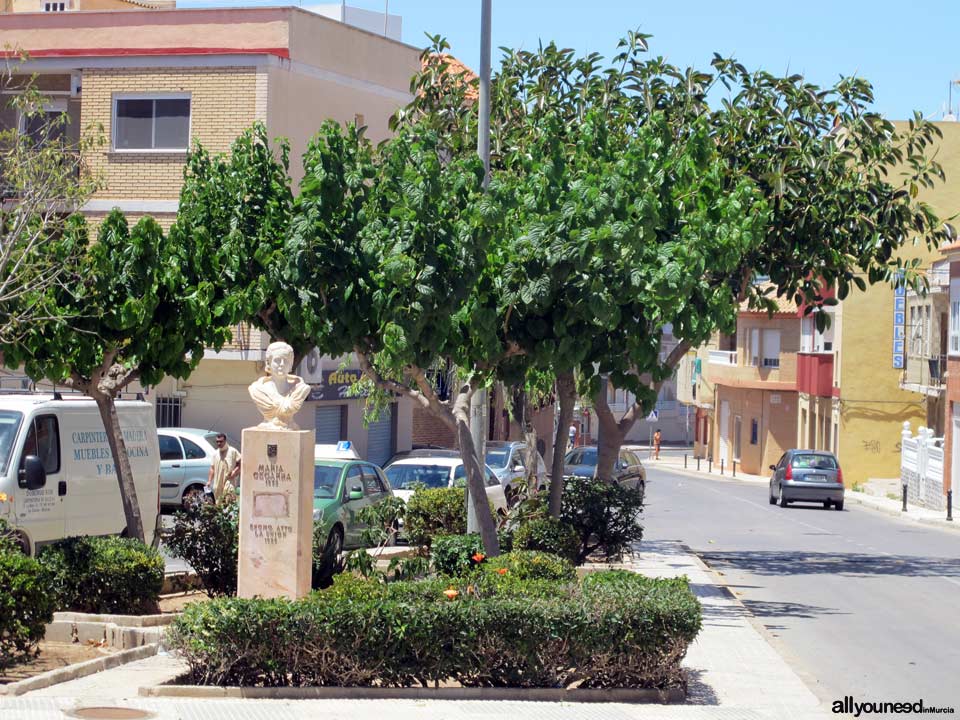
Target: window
926,330
170,448
755,347
192,450
43,441
954,317
168,411
754,431
354,481
490,479
371,483
54,6
151,123
771,348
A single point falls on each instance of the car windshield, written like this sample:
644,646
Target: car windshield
9,424
815,462
325,479
589,457
497,458
409,476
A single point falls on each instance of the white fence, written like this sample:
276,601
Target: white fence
921,468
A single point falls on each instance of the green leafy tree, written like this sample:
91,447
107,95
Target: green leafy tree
138,313
41,181
234,216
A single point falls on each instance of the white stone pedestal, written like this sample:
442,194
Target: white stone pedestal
276,513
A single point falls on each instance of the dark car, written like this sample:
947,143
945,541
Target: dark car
807,476
628,471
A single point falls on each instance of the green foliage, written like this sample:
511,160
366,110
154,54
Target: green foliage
103,575
605,516
206,535
382,521
548,535
435,511
530,565
531,633
26,603
455,555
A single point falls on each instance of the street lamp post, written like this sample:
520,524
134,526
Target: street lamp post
479,403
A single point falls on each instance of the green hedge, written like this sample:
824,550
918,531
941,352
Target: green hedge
456,555
496,632
26,603
550,535
104,575
206,535
435,511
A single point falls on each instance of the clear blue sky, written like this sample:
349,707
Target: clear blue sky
909,52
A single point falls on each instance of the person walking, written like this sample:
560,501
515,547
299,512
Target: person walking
224,471
656,444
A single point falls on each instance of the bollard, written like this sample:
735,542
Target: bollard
698,464
684,461
904,509
734,468
721,466
950,505
709,465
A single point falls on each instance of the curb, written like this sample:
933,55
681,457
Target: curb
73,672
705,475
868,502
587,695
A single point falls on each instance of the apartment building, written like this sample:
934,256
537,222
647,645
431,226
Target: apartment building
149,80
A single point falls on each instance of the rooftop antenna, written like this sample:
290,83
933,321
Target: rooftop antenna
386,15
949,116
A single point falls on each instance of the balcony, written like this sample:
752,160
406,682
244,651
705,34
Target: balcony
723,357
815,373
925,374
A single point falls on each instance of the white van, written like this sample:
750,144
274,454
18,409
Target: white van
57,471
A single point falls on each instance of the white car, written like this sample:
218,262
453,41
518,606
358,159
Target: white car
408,473
186,455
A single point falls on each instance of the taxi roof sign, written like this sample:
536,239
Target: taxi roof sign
343,450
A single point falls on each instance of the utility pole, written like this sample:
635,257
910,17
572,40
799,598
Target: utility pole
479,404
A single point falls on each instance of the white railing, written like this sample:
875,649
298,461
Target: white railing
921,467
723,357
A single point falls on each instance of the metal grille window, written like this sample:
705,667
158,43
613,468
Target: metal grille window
168,411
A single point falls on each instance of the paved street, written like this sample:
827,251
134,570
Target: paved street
861,603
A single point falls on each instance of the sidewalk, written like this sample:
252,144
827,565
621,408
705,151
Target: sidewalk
673,459
734,673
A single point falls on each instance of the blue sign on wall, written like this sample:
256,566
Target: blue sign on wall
899,326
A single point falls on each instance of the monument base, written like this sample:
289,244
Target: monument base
276,513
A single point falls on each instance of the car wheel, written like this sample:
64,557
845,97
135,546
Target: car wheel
330,563
826,504
193,495
772,498
783,498
838,505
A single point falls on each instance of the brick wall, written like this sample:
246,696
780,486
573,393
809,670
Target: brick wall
224,101
430,430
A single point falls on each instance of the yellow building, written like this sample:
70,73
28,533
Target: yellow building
150,81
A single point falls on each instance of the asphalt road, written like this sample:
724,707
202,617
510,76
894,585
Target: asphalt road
859,602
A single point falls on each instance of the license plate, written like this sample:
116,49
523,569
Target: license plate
816,478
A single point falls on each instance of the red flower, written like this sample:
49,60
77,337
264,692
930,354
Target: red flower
502,571
478,557
450,593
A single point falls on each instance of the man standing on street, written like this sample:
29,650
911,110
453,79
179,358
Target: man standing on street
656,444
224,471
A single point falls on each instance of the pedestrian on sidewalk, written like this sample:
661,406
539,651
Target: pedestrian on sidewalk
572,434
656,444
224,471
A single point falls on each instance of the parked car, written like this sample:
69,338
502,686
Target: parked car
342,486
628,470
807,476
508,460
423,452
57,475
186,455
438,471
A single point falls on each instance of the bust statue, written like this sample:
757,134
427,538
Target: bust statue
279,395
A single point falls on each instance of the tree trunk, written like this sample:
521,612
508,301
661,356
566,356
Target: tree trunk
611,438
567,397
476,484
121,461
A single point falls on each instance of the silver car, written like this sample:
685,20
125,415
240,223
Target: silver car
807,476
508,460
185,458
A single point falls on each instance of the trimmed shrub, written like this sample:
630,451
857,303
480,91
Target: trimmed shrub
623,633
26,603
435,511
104,575
454,555
550,535
531,565
206,535
605,516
